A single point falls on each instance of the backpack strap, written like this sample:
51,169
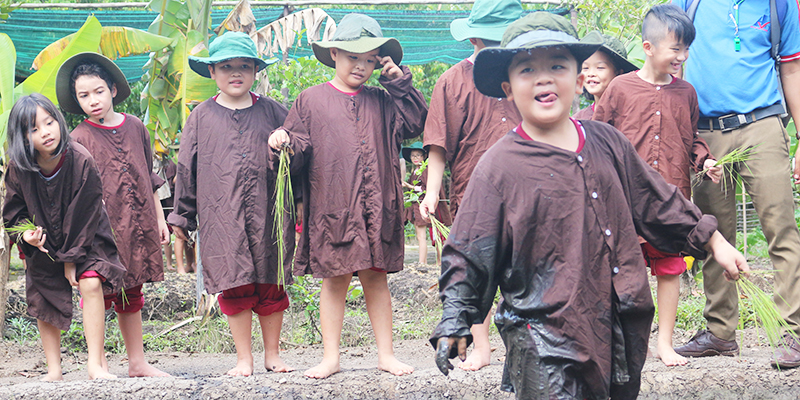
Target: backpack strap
692,8
775,41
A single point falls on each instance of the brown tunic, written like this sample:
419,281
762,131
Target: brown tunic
661,122
347,147
125,161
224,183
557,232
585,113
170,171
70,209
442,213
465,123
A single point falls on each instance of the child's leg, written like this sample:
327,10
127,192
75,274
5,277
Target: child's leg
51,342
179,249
422,233
331,311
129,316
481,354
379,308
168,255
242,331
669,287
271,333
94,327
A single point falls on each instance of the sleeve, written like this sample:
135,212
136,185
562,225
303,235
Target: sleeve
296,125
82,216
155,180
445,120
790,32
15,210
184,212
605,107
700,150
471,259
410,108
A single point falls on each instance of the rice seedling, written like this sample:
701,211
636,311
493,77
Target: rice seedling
728,162
22,227
440,233
765,310
284,204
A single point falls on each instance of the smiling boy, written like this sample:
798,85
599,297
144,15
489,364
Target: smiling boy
551,216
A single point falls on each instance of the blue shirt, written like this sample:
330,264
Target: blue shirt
728,81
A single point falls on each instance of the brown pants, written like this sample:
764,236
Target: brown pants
767,178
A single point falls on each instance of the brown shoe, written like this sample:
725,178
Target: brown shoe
788,354
705,344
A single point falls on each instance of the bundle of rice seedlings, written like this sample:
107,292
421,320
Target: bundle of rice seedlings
728,162
765,310
440,233
23,226
284,204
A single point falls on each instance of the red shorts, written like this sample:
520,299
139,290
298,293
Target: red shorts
662,263
263,298
132,302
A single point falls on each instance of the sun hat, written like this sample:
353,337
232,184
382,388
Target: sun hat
535,30
413,146
228,46
358,33
614,48
487,20
64,94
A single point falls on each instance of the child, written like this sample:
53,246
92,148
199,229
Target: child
224,183
54,183
551,216
600,68
658,113
464,123
91,84
346,138
166,169
415,154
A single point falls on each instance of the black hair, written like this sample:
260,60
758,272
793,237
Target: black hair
22,120
618,69
89,68
667,18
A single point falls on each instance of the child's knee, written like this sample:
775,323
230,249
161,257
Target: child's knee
91,287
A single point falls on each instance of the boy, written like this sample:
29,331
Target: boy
91,84
463,124
551,215
224,181
346,138
658,113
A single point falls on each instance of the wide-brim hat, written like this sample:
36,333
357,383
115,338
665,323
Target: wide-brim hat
358,33
413,146
614,48
66,96
535,30
228,46
487,20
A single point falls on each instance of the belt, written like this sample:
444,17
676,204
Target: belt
734,121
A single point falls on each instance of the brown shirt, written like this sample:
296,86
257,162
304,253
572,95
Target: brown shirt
585,113
347,155
225,183
557,232
465,123
125,161
69,206
442,212
661,122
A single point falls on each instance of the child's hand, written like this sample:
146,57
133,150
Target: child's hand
69,273
163,231
714,172
35,238
428,205
444,347
277,139
179,233
727,256
390,69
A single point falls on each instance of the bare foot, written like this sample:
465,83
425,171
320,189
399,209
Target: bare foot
275,364
323,370
52,377
146,370
243,368
476,360
100,373
393,366
669,357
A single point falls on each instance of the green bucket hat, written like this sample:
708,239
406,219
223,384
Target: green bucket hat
228,46
614,48
413,146
66,96
535,30
358,33
487,20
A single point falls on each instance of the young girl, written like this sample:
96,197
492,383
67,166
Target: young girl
601,68
54,183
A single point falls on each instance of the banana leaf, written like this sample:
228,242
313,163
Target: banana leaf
8,58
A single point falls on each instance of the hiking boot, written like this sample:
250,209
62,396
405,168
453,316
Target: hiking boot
788,353
705,344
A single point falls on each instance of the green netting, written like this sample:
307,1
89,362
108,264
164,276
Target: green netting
425,35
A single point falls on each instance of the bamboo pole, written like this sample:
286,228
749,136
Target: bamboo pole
5,264
290,3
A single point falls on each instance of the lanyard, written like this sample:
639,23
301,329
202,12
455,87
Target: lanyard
737,43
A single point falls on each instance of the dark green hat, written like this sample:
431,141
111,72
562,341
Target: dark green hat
226,47
66,96
614,48
414,146
487,20
535,30
358,33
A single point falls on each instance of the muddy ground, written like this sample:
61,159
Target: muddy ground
199,375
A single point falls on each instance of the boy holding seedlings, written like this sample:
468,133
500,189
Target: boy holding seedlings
601,68
658,113
551,216
224,183
346,137
463,124
91,84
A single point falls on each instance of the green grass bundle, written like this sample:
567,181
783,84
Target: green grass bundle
22,227
728,162
440,233
284,204
765,310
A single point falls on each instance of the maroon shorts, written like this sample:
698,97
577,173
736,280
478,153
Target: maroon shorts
131,302
263,298
661,263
